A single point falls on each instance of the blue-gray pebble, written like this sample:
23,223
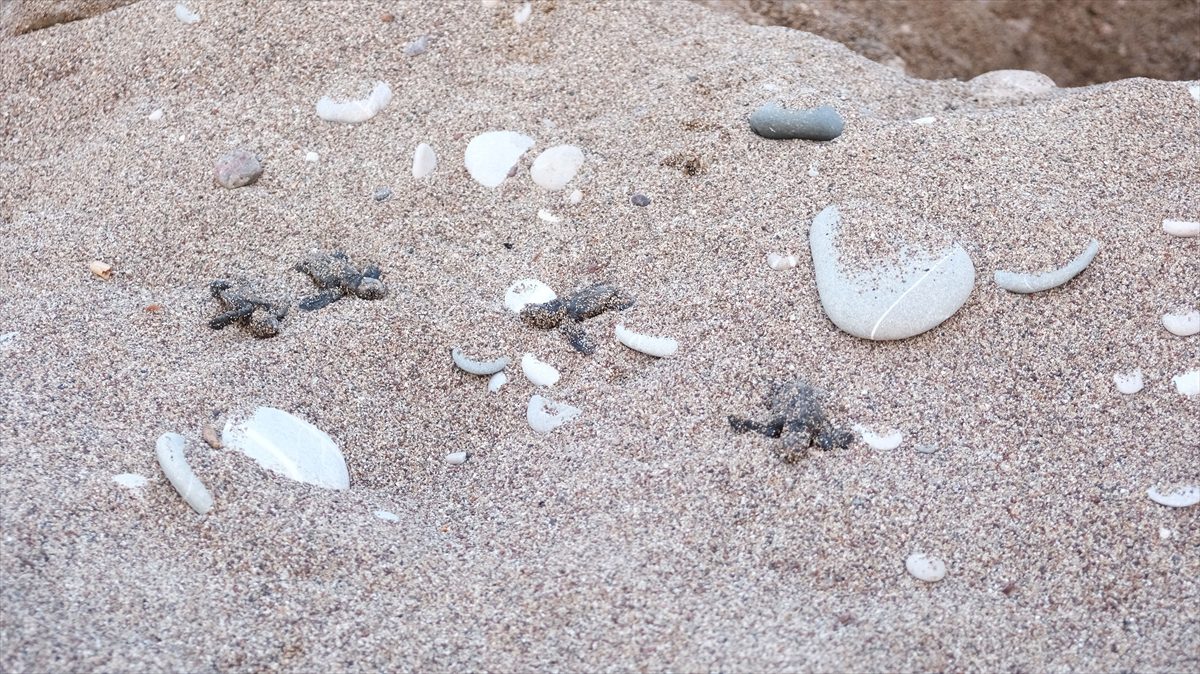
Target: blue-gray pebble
772,121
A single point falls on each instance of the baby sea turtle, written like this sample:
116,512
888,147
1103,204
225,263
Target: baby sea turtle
797,418
337,276
258,316
566,314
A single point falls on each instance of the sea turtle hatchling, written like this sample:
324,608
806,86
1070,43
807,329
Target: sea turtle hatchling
796,417
337,276
259,317
568,313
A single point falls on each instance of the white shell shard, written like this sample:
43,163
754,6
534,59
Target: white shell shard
925,120
312,157
1183,325
556,166
1032,283
780,262
387,516
1180,497
472,366
290,446
890,302
353,112
169,450
1181,228
1129,382
527,291
1003,85
522,14
1194,90
186,15
490,156
546,216
538,372
879,441
8,340
545,415
659,347
925,568
575,197
456,458
499,379
156,115
424,161
1187,383
130,480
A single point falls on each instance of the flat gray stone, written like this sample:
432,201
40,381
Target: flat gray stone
889,301
772,121
237,169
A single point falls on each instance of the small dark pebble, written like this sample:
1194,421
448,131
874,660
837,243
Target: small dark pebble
508,245
640,200
382,193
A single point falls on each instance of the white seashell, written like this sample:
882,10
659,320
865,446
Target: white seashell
1187,383
387,516
1184,325
926,568
186,15
812,171
417,46
169,450
876,441
290,446
156,115
1194,90
424,161
499,379
1129,383
575,197
1180,497
130,480
456,458
659,347
556,166
1181,228
549,217
925,120
353,112
312,157
527,291
479,367
490,156
522,14
8,340
541,374
1032,283
780,262
545,415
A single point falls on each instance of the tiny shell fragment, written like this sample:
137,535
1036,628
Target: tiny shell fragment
101,269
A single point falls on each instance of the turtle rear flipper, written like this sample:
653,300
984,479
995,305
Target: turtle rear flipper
228,318
578,338
320,300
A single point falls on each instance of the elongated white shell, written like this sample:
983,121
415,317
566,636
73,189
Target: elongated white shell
545,415
1180,497
499,379
780,262
1184,325
1129,382
1187,383
926,568
169,450
478,367
130,480
1032,283
659,347
541,374
290,446
879,441
1181,228
527,291
424,161
186,15
353,112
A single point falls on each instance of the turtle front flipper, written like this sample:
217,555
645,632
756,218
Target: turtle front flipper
320,300
238,312
578,338
771,429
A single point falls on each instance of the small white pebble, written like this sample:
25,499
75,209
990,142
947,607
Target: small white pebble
312,156
424,161
1187,383
538,372
523,13
1181,228
456,458
878,441
549,217
780,262
812,170
156,115
1194,90
1129,382
926,568
1164,533
499,379
925,120
186,15
576,197
386,516
1183,325
131,480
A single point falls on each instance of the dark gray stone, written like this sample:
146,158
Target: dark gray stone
772,121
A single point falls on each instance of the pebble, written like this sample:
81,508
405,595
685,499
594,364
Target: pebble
1010,85
130,480
545,415
424,161
100,269
186,15
575,197
417,46
812,171
889,302
499,379
546,216
780,262
1032,283
527,291
1183,325
1194,90
237,169
926,449
1180,497
382,193
539,372
312,157
1129,382
387,516
456,458
290,446
169,451
8,340
1187,383
640,200
926,568
523,13
156,115
925,120
556,166
772,121
883,442
490,156
353,112
1181,228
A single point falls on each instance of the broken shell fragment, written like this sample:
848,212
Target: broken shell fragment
101,269
1129,382
456,458
290,446
499,379
1180,497
880,441
472,366
545,415
1032,283
169,450
1183,325
659,347
780,262
353,112
527,291
1187,383
926,568
1181,228
538,372
424,161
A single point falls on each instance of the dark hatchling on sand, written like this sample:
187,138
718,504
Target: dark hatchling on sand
259,317
797,418
568,313
337,276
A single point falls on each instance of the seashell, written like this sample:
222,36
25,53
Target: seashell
1129,382
186,15
478,367
556,166
575,197
541,374
926,568
780,262
312,157
353,112
130,480
424,161
499,379
1187,383
387,516
490,156
659,347
290,446
169,450
1184,325
101,269
456,458
156,115
877,441
1180,497
527,291
522,14
545,415
1181,228
546,216
1032,283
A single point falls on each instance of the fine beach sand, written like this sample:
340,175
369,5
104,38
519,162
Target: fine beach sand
644,535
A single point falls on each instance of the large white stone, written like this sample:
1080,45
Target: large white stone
490,156
289,446
556,166
889,301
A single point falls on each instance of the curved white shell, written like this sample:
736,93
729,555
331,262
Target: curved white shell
424,161
169,450
1187,383
353,112
545,415
926,568
472,366
541,374
780,262
659,347
1129,382
527,291
290,446
877,441
1032,283
1180,497
1181,228
499,379
1184,325
556,166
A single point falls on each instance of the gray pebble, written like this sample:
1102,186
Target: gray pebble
927,449
237,169
382,193
417,46
639,200
772,121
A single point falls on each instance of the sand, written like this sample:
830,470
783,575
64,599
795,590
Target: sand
644,535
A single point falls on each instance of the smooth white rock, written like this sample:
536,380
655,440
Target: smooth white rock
1183,325
312,157
659,347
490,156
575,197
926,568
1003,85
1181,228
890,302
1032,283
1187,383
1194,90
456,458
527,291
545,415
522,14
538,372
169,450
186,15
156,115
130,480
353,112
424,161
1180,497
1129,382
882,441
499,379
387,516
780,262
812,171
290,446
1164,533
556,166
479,367
546,216
925,120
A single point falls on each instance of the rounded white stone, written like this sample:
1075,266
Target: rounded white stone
156,115
780,262
490,156
527,291
1187,383
424,161
1129,382
186,15
1181,228
522,13
499,379
386,516
311,156
556,166
575,197
538,372
926,568
1180,497
290,446
456,458
1184,325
